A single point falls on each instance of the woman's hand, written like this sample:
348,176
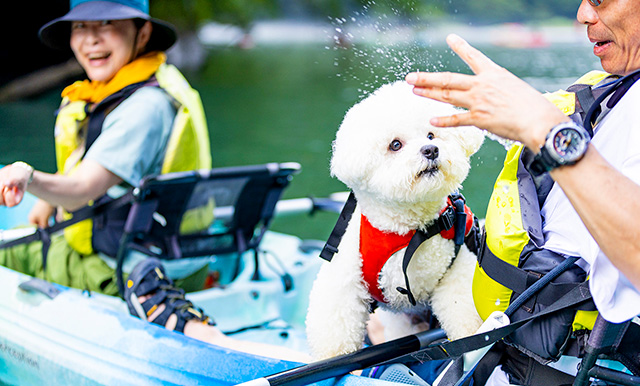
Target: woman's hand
41,213
496,100
14,179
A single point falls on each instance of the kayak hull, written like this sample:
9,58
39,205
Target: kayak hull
77,338
56,335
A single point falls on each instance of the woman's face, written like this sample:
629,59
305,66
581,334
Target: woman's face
103,47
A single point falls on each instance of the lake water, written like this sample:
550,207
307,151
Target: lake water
277,103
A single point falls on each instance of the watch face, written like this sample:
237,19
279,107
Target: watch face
568,144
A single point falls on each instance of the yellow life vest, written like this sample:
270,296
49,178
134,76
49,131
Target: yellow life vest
187,148
513,227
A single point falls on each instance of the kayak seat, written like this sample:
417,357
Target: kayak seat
222,211
149,278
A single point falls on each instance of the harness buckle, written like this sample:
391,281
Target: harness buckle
447,219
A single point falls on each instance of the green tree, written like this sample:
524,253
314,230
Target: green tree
189,14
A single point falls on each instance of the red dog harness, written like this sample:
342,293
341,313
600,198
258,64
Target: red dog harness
376,246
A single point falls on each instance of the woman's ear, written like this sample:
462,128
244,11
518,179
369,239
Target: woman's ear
144,34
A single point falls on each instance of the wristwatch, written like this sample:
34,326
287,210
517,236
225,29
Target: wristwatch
565,144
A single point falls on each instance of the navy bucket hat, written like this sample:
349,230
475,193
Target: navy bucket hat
57,33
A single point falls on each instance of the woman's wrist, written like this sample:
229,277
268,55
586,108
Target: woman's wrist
26,167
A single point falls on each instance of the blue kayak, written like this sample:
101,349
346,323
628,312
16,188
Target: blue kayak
55,335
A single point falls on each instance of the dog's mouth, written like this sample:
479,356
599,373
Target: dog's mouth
429,170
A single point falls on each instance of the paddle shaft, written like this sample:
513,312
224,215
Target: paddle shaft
77,216
338,366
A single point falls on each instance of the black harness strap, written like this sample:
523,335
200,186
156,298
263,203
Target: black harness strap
460,236
416,240
331,246
453,216
444,222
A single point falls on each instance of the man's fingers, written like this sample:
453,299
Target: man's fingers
476,60
441,80
463,119
454,97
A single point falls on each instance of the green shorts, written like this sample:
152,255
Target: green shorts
68,267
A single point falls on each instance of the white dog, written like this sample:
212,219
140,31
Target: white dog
401,170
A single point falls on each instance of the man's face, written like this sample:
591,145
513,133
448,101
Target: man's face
614,28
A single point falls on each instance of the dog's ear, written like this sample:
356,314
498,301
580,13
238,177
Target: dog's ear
351,150
347,165
471,138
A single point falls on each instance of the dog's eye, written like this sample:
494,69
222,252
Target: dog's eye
395,145
431,136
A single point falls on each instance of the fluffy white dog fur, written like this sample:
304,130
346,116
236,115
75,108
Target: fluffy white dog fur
398,191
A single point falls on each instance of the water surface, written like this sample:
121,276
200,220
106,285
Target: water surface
281,103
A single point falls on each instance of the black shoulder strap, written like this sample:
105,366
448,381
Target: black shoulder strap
331,246
617,90
103,108
585,98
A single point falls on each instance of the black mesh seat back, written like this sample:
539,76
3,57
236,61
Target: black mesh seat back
184,222
253,208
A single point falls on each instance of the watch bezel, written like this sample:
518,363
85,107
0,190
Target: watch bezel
577,153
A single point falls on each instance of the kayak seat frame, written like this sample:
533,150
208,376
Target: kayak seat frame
606,342
244,198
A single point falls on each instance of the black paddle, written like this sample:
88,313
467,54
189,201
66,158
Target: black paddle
413,347
361,359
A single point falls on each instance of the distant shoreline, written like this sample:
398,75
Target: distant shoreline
514,35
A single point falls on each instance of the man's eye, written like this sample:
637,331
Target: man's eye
77,25
395,145
431,136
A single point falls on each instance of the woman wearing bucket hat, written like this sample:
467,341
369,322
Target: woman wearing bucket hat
112,130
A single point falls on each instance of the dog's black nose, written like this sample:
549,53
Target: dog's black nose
430,151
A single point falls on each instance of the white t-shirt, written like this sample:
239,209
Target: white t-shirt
617,138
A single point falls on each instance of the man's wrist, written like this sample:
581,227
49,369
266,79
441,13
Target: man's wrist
539,139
